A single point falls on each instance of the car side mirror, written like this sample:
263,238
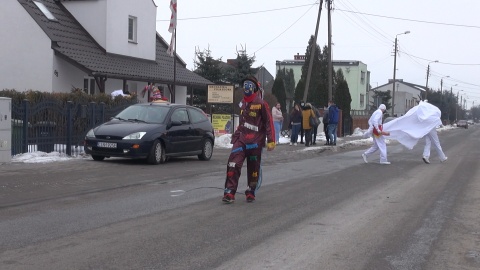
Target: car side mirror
174,123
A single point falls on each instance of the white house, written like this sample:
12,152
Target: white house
96,45
407,95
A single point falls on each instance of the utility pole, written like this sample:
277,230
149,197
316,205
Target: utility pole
441,92
461,102
441,88
330,75
394,78
426,85
428,75
395,70
456,107
448,104
312,54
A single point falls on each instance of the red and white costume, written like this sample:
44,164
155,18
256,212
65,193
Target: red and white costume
375,128
255,127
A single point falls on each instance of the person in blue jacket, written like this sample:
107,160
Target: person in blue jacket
332,122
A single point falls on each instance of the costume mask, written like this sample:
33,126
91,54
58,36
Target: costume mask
249,88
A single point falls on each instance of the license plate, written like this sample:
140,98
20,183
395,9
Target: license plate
107,145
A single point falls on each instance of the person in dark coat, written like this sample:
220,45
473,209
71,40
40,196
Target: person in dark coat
315,128
295,123
332,122
302,131
325,125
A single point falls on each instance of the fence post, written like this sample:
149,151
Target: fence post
69,128
92,115
102,112
26,106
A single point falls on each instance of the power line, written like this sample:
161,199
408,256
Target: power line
239,14
311,6
446,63
349,11
411,20
365,21
352,21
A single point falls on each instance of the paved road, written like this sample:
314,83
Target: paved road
317,209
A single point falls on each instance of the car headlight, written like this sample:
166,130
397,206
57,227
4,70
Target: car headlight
90,134
134,136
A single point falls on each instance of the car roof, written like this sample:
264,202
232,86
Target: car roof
164,104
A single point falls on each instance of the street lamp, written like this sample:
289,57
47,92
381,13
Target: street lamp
449,102
441,84
456,106
395,70
428,75
441,92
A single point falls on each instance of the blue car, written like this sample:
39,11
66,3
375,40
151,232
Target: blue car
153,131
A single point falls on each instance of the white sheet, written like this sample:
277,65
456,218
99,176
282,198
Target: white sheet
118,93
415,124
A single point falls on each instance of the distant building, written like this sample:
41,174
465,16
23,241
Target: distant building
295,64
354,71
407,95
358,80
263,76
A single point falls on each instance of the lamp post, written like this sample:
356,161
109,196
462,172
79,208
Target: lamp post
441,84
441,92
395,70
428,75
456,106
449,102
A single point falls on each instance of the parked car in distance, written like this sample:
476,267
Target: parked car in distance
153,131
462,123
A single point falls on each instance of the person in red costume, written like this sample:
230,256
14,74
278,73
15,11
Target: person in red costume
255,127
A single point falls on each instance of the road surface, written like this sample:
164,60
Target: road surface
318,209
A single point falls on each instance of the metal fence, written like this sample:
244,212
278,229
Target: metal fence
53,126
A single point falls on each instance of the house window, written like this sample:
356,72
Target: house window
362,77
89,86
45,11
362,100
132,29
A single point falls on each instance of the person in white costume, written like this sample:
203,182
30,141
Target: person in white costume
429,138
375,128
419,122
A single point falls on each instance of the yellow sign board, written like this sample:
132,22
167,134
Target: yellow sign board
220,93
222,124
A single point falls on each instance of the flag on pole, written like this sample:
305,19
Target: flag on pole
173,26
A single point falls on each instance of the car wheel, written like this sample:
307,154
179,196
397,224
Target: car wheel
157,153
207,150
98,158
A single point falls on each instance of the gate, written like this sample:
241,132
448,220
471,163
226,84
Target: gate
53,126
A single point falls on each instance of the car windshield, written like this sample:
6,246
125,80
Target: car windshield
148,114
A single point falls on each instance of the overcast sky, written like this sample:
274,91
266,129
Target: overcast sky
447,31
